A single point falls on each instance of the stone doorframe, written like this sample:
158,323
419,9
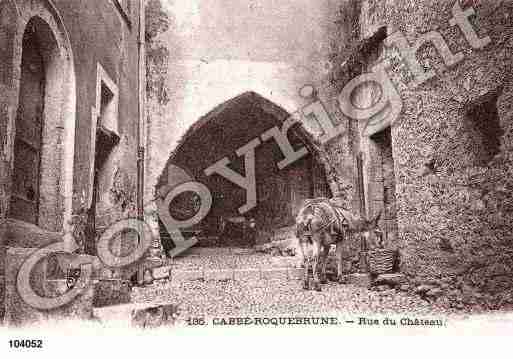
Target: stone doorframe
59,108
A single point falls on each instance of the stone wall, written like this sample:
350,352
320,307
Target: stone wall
19,313
113,45
453,194
88,35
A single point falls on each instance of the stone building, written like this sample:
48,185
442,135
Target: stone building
438,164
440,172
69,115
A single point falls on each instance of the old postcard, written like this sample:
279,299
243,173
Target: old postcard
236,166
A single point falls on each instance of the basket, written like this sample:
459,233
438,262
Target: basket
381,260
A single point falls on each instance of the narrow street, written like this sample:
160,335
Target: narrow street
220,284
170,160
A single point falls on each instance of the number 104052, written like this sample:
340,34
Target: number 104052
25,343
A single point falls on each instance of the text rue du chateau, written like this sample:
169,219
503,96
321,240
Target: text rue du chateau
405,321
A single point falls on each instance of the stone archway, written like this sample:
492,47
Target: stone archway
280,192
58,132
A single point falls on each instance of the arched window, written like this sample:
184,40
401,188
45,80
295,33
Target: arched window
29,127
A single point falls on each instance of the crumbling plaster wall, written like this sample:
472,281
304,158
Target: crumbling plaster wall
100,34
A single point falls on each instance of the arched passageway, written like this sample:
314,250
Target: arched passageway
280,192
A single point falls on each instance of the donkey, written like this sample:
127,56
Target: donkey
321,223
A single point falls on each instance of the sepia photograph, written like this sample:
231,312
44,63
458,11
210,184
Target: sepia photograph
233,166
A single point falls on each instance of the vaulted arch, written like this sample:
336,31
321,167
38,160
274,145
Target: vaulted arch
218,135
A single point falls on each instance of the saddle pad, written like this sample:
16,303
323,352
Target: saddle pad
330,212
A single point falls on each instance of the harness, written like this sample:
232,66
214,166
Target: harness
335,215
342,222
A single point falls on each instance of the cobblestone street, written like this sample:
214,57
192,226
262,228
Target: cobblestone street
255,294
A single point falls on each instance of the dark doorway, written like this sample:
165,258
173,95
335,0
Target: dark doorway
29,127
383,140
280,192
484,129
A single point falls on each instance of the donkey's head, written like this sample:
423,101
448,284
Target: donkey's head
309,221
371,231
304,224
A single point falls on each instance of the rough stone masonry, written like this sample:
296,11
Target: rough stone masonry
451,147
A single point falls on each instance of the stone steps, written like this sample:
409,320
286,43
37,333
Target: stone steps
205,251
178,276
224,264
231,259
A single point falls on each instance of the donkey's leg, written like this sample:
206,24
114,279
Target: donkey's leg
324,259
315,266
324,249
340,278
306,264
